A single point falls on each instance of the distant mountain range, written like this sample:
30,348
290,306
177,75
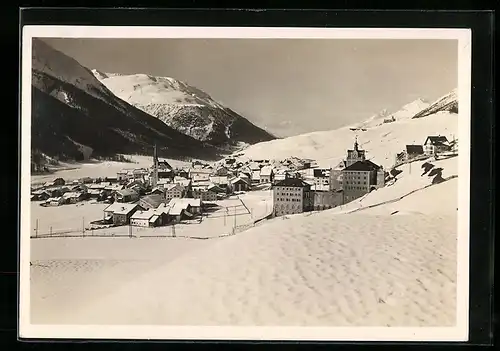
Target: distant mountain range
75,116
184,108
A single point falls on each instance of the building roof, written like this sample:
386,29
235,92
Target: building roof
266,171
321,172
143,214
71,194
173,186
436,139
154,200
292,182
239,180
126,192
125,210
120,207
185,202
219,179
363,166
414,149
255,175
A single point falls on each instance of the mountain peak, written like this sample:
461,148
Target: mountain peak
184,108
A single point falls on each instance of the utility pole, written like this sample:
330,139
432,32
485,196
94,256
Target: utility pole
83,226
36,229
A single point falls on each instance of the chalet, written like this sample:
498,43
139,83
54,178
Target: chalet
79,187
199,174
55,201
149,218
73,197
255,179
111,179
126,195
221,171
86,180
413,151
221,181
151,201
58,182
266,174
158,191
122,175
435,144
240,184
120,213
204,194
173,191
292,196
191,205
40,195
182,173
96,194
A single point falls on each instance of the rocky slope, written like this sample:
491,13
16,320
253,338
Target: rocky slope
185,108
74,115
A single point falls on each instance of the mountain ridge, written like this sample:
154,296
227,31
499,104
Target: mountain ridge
184,108
71,108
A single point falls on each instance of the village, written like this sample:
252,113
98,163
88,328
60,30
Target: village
164,195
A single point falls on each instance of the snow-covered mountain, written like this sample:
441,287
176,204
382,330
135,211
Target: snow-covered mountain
73,112
406,112
184,108
380,140
448,102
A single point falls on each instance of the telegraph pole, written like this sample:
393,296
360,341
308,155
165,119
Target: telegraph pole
36,229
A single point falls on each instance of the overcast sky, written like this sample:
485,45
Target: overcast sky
288,86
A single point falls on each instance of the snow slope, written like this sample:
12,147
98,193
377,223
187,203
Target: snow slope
318,269
380,140
448,102
388,265
183,107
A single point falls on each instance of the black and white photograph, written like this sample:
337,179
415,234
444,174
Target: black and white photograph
271,183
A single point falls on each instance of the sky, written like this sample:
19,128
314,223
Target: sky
287,86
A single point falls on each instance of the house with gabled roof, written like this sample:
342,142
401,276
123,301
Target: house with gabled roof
413,151
266,174
436,143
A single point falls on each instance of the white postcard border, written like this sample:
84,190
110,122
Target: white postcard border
457,333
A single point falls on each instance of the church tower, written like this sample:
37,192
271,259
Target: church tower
154,176
355,155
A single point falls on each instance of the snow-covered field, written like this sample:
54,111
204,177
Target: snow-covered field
328,269
238,211
94,169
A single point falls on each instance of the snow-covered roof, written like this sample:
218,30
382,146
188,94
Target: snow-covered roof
266,171
143,214
185,202
118,206
173,186
71,194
